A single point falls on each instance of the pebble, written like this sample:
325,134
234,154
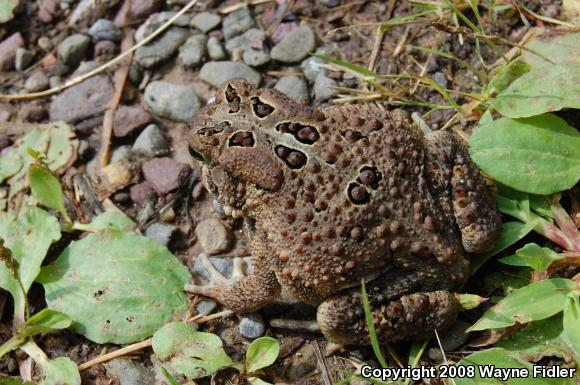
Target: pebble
162,48
38,81
213,236
105,48
312,68
295,45
193,51
218,72
223,265
252,326
125,371
142,193
205,21
252,38
8,49
215,50
165,174
237,23
72,50
23,59
294,87
82,101
157,20
32,112
329,3
104,29
171,101
45,44
151,142
255,58
140,10
120,153
129,119
205,307
322,90
6,112
440,78
160,233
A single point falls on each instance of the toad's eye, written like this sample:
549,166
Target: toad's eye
196,155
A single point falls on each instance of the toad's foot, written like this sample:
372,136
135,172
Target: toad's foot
217,282
239,293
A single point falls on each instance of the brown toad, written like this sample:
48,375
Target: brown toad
334,196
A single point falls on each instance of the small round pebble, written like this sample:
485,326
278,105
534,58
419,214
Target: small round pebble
205,307
73,49
294,87
252,326
295,45
104,29
218,72
193,50
160,233
172,101
322,87
38,81
215,50
213,236
205,21
151,142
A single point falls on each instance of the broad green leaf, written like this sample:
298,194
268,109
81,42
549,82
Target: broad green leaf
502,283
504,76
530,303
542,205
10,164
539,339
7,10
539,155
534,256
529,96
511,233
189,352
557,45
572,320
46,188
45,321
486,118
117,287
61,371
501,358
262,352
28,237
112,220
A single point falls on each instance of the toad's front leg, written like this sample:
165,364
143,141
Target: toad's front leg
239,293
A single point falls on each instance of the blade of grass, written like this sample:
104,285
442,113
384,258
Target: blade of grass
371,326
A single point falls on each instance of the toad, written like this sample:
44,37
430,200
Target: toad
335,196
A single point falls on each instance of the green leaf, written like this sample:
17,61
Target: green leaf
534,256
557,45
10,164
572,320
539,155
7,10
262,352
45,321
46,188
189,352
501,358
542,205
510,234
28,237
530,303
118,287
529,96
5,380
540,339
504,76
61,371
113,220
257,381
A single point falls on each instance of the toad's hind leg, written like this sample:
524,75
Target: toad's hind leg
472,203
241,294
409,317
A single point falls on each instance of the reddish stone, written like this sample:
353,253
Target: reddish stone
6,112
142,193
140,10
128,119
165,174
8,49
